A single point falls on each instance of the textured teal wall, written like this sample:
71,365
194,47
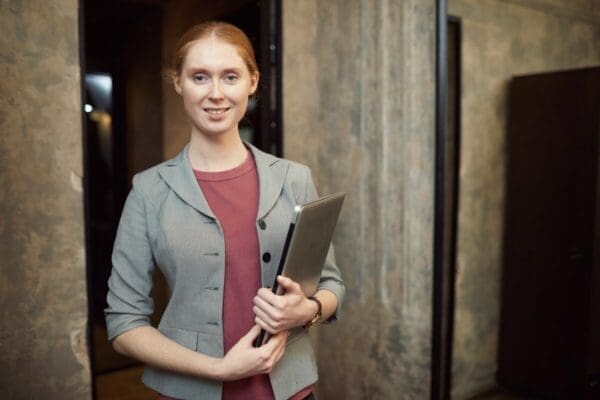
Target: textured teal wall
43,304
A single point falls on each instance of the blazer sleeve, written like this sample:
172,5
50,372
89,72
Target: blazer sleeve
331,278
129,301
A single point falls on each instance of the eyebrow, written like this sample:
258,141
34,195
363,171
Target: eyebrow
196,70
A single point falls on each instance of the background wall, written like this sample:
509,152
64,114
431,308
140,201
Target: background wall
500,39
43,302
358,102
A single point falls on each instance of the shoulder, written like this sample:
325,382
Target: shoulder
297,168
294,169
147,179
295,177
297,171
149,183
298,180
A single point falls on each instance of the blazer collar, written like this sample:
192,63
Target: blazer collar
178,174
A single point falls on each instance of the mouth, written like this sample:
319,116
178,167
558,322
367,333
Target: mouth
216,111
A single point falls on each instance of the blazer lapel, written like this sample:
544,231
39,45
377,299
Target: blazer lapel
271,176
178,174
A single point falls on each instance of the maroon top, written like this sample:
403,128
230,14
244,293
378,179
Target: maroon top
232,196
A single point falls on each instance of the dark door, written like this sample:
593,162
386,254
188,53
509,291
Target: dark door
551,235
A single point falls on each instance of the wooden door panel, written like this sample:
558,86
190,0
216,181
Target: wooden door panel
551,202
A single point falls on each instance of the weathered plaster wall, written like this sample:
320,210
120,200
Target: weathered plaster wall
43,305
358,100
500,39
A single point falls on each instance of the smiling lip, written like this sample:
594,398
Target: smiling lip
216,111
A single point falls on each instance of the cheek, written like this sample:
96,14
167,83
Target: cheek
193,93
189,103
242,105
236,94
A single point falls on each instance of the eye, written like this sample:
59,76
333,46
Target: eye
231,78
200,78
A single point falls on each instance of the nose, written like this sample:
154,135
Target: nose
216,93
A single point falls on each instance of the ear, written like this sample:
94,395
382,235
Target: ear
177,84
253,83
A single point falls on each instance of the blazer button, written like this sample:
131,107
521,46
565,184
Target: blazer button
262,224
266,257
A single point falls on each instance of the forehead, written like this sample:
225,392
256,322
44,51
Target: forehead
213,53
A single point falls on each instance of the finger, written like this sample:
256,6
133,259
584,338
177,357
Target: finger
272,310
264,318
274,342
267,296
284,334
251,334
265,326
264,292
278,353
288,284
281,338
280,349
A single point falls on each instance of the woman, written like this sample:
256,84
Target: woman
214,220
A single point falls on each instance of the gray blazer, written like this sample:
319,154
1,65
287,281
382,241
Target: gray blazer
167,222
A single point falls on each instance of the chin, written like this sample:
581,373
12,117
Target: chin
214,132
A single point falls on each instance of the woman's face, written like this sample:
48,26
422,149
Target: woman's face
215,84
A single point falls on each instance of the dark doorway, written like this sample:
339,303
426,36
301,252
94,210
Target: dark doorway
549,329
123,62
124,135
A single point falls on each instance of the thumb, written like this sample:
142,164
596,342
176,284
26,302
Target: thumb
251,334
289,285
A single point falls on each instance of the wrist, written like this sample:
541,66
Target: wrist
311,310
218,370
316,314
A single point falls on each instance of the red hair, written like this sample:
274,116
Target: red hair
229,33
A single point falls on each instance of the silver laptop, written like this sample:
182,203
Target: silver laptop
306,245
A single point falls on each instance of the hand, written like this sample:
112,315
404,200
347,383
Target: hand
277,313
244,360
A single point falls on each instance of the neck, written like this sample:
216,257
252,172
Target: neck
216,153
